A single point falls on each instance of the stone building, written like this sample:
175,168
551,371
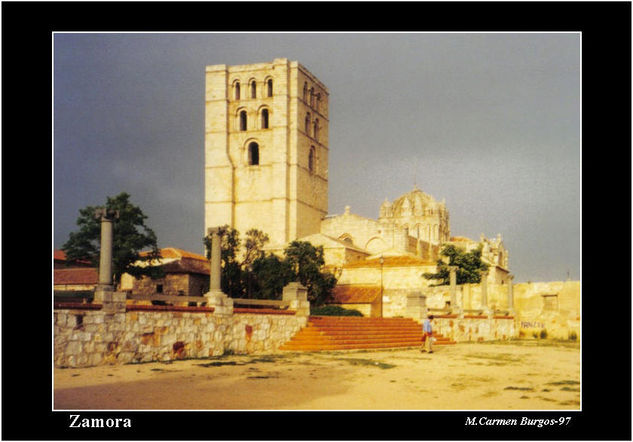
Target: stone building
266,167
493,253
77,279
72,275
185,274
414,223
266,149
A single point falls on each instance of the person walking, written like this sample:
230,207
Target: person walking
427,334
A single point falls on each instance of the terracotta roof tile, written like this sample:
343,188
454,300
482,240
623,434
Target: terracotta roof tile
182,261
60,255
460,239
390,261
174,253
80,275
187,265
350,294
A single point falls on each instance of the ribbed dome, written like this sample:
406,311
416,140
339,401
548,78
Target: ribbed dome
414,202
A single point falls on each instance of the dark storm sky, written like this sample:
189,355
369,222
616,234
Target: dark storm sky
490,122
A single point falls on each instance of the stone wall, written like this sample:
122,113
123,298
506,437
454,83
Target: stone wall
475,328
91,337
550,307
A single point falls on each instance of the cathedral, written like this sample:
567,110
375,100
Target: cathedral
266,167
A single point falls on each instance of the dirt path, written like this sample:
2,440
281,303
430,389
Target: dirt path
521,376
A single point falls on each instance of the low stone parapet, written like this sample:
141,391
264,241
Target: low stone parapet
475,328
86,338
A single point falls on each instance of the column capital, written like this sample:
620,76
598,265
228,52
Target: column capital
484,271
510,276
453,268
214,231
105,214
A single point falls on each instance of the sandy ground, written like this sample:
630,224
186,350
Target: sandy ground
513,376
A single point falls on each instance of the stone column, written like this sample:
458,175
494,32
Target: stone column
216,298
105,287
510,294
105,257
216,260
484,289
297,295
453,282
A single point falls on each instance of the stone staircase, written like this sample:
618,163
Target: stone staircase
351,333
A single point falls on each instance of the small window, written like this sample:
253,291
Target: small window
253,154
316,128
253,89
307,124
550,303
243,120
311,159
305,92
159,288
269,85
265,119
312,97
237,90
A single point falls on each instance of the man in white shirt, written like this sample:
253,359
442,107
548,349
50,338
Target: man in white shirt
427,334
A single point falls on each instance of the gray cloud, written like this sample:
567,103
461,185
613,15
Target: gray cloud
490,122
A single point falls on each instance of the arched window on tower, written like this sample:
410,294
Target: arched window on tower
253,89
243,124
312,97
269,85
312,159
307,125
264,119
305,92
253,154
236,91
316,128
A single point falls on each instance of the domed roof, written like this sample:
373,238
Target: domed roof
415,199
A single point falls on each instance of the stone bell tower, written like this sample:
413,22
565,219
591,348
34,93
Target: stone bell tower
266,149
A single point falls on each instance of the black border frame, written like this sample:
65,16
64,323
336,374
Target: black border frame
606,159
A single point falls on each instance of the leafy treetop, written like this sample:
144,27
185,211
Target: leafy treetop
130,236
469,266
257,274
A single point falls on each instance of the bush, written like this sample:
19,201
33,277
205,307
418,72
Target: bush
543,334
333,310
573,336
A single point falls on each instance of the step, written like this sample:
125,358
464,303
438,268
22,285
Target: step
356,339
359,346
349,333
349,346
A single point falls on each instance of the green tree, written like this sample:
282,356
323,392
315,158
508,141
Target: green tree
306,262
469,266
270,275
130,236
253,251
263,275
